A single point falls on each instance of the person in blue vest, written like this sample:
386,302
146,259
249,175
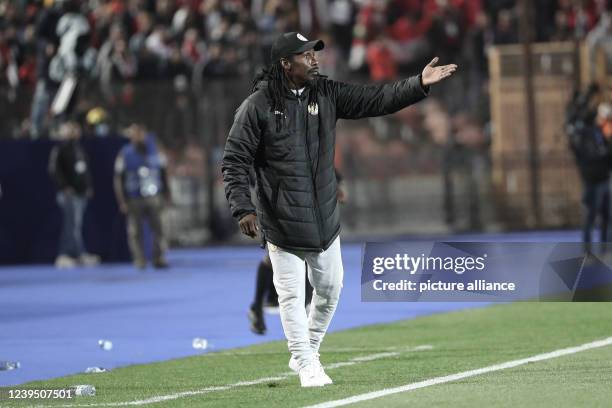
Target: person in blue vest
142,191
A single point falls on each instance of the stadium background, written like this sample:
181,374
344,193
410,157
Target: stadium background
469,159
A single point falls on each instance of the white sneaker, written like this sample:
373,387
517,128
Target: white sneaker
310,376
294,366
89,259
65,262
323,375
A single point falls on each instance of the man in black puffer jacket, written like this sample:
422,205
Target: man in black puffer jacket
286,130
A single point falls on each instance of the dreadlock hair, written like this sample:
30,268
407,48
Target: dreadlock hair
278,87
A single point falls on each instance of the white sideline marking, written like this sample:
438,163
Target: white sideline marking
284,376
327,350
462,375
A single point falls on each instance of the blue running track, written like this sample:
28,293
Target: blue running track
51,320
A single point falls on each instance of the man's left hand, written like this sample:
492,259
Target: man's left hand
432,74
342,195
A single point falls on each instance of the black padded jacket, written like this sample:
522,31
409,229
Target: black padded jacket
296,185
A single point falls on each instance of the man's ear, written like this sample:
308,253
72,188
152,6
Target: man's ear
286,64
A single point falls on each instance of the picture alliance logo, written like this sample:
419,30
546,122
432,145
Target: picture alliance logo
414,264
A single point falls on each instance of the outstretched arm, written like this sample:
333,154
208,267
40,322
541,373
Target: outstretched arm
359,101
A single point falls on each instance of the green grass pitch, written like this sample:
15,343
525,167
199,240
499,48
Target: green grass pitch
384,356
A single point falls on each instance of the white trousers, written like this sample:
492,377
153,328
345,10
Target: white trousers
305,333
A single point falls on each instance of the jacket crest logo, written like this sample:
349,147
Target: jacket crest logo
313,109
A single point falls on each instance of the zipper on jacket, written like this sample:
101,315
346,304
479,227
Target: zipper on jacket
312,179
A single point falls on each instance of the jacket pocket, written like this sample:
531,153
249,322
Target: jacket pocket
274,197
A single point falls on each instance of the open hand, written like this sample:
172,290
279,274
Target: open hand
248,225
432,74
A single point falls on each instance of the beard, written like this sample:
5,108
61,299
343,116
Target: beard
314,78
317,75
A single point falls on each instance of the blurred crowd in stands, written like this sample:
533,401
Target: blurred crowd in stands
200,54
117,42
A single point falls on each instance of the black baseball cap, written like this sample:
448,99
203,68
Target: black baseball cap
293,43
